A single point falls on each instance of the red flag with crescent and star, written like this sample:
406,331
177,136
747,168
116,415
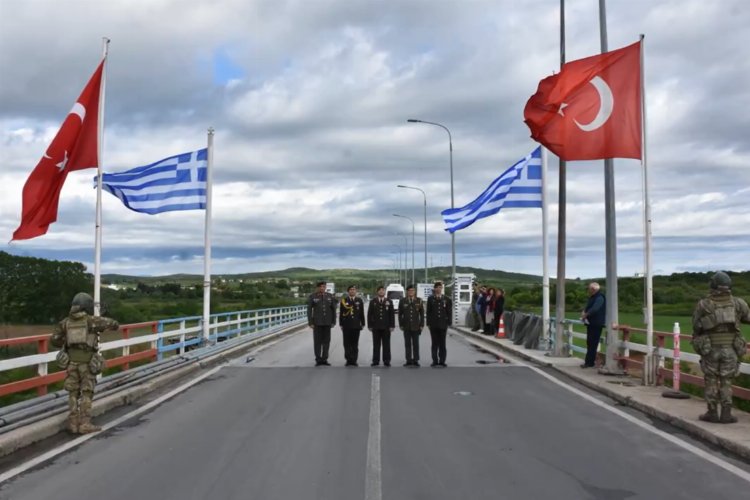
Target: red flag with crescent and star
75,147
591,110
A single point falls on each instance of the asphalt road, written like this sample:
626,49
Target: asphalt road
275,428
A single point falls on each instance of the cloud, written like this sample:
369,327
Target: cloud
310,101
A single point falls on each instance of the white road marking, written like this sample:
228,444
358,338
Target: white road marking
20,469
373,480
732,469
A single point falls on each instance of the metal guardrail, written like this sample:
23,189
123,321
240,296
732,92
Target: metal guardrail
159,339
675,374
569,334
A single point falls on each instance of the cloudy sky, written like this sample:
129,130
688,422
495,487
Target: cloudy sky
310,98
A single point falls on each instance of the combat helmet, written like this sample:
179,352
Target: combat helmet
84,302
720,280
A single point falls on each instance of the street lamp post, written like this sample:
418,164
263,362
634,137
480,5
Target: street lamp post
412,243
425,226
406,257
398,247
450,148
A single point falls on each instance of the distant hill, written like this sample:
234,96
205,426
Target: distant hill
341,277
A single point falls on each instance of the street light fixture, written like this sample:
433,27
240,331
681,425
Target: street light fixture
412,243
450,148
425,226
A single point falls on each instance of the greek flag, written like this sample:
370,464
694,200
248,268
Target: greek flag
174,183
519,186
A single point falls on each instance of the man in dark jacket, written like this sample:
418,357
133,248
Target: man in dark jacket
381,321
321,316
594,317
352,320
411,321
439,318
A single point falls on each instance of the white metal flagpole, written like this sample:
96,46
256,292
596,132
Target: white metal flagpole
99,146
545,252
207,241
647,234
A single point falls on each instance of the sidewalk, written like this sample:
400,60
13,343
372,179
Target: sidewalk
681,413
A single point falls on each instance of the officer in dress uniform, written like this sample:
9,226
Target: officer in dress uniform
411,321
381,321
352,320
439,318
321,316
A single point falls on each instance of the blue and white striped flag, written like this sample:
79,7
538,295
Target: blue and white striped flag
174,183
519,186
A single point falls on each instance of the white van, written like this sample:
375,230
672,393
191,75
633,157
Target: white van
395,292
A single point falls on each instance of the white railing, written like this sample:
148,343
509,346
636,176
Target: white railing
164,337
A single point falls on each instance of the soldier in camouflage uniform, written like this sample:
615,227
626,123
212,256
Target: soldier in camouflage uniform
719,341
77,336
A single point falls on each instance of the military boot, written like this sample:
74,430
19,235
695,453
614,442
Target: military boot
73,418
711,415
85,426
726,415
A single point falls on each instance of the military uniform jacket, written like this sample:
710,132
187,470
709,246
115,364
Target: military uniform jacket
352,313
411,314
95,325
719,315
321,309
380,314
439,312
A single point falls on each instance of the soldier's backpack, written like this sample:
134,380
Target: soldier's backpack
77,333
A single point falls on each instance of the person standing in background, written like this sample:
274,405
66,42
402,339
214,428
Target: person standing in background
489,311
381,321
439,318
411,321
498,309
594,317
352,320
321,316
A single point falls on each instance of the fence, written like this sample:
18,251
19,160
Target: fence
151,341
675,374
526,329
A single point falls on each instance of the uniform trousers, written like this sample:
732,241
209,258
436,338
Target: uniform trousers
438,348
321,341
351,344
381,338
411,345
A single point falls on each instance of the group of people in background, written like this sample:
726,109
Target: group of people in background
380,319
488,305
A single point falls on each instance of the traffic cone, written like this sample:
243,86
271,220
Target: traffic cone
501,329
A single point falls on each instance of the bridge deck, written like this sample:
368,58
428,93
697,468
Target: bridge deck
277,428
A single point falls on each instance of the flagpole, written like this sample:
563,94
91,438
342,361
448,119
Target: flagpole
99,146
545,252
558,348
610,230
207,241
647,226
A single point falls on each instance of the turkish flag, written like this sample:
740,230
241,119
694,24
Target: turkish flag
75,147
591,110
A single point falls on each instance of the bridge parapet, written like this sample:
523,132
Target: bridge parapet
150,340
663,373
